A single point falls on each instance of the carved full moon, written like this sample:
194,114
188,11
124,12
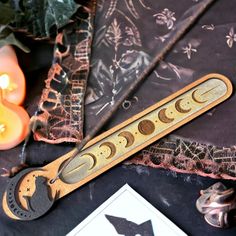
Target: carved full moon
128,136
112,148
163,117
179,108
146,127
195,99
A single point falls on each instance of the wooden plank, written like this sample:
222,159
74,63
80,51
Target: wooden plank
127,138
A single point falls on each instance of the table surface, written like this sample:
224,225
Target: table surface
173,194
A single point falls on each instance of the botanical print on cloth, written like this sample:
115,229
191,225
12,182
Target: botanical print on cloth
189,50
231,38
166,17
130,4
124,45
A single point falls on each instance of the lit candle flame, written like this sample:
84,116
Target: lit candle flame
2,128
6,84
4,81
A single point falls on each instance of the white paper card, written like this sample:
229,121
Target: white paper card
126,213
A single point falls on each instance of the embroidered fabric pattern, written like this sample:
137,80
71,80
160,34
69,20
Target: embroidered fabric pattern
186,156
62,101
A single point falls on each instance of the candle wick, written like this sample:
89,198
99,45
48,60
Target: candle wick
4,81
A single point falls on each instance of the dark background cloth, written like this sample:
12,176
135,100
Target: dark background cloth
211,52
119,56
173,194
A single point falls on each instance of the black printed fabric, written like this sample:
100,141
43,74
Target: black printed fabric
128,35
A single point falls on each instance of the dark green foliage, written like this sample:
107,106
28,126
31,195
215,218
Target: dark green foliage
37,18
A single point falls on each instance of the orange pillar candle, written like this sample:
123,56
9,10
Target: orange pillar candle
12,80
14,124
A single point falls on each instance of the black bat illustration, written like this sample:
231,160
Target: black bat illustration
129,228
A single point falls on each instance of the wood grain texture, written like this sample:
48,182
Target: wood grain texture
110,148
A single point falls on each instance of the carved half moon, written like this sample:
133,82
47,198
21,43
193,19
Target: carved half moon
93,158
179,108
128,136
112,148
195,99
163,117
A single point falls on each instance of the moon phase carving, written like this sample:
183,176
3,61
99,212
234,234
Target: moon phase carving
87,161
163,117
179,108
112,148
128,136
146,127
93,158
195,99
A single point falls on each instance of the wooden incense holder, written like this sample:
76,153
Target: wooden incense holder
30,194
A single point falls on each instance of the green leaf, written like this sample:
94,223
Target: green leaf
37,18
7,37
7,13
40,18
44,17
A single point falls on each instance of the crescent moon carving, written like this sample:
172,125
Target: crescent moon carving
128,136
163,117
93,157
179,108
112,148
195,98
